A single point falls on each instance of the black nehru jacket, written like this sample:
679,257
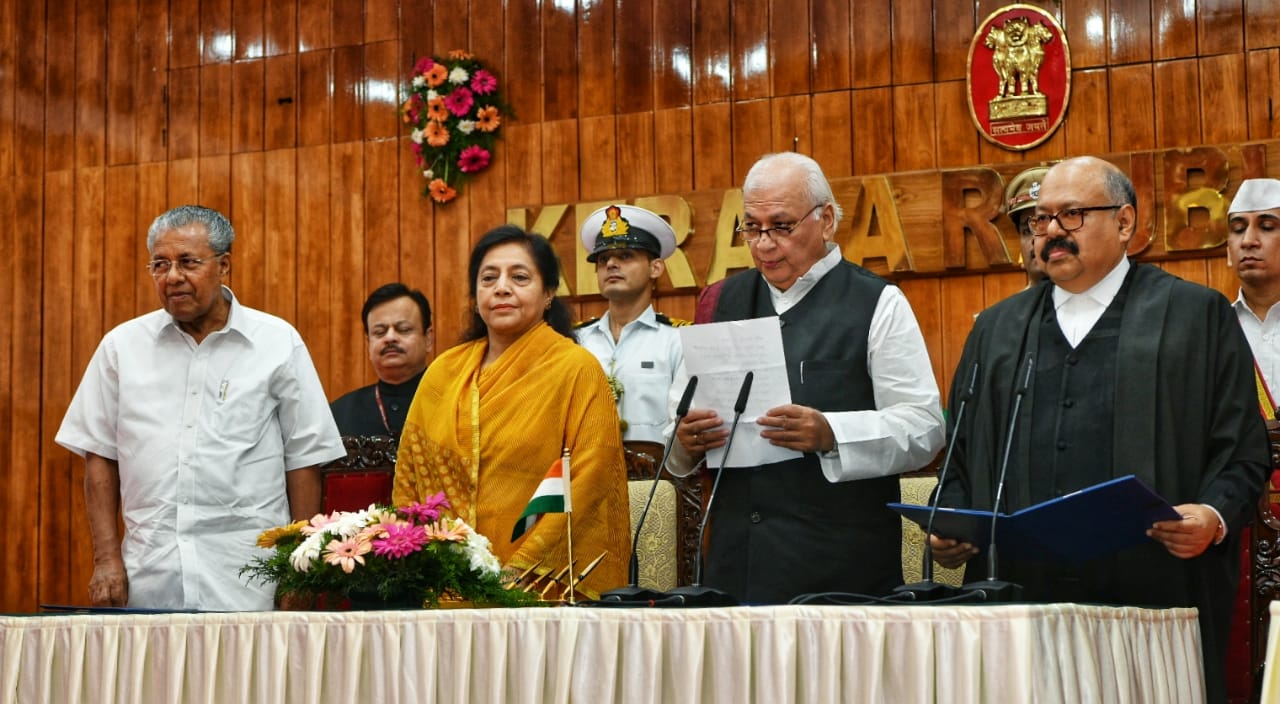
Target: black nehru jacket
357,412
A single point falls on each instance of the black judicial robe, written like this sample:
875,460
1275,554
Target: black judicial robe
1185,421
356,412
782,529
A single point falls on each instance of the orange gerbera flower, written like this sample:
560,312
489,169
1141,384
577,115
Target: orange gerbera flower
441,192
437,75
487,119
459,54
436,110
437,134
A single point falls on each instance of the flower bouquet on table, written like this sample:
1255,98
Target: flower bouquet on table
455,111
409,556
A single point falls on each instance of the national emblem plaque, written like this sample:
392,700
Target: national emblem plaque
1019,76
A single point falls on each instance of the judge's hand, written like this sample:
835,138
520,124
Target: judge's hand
797,428
700,431
950,553
1190,536
109,585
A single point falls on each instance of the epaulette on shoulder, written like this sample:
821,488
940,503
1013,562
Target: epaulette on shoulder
586,323
673,322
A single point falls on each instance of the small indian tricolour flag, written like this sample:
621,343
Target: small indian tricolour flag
551,496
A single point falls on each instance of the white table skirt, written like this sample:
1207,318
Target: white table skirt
821,654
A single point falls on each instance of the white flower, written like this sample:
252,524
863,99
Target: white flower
307,552
477,550
428,174
350,523
466,126
416,136
432,94
458,76
419,81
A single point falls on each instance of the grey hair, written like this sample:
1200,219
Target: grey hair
1119,188
816,187
216,225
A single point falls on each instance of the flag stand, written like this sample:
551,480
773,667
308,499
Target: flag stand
568,510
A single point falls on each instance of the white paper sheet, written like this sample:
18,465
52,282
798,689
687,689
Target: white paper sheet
720,355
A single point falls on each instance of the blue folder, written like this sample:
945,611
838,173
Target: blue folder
1092,522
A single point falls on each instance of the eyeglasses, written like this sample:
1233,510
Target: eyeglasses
753,232
160,267
1069,219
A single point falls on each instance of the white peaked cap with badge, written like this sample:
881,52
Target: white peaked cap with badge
1256,194
624,226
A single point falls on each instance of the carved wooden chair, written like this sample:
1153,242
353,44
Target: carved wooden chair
1260,584
668,549
365,476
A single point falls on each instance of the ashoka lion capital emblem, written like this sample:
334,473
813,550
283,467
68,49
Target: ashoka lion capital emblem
1019,70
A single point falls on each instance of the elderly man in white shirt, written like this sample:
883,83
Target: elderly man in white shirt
204,423
865,405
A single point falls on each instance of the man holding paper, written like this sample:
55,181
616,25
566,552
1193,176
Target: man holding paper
863,408
1132,371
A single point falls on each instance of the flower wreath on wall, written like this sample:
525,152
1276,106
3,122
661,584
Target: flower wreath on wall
455,111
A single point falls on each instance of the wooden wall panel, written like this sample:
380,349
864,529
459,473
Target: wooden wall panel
1220,26
55,373
122,60
672,54
1177,87
634,56
832,40
789,48
599,68
1261,24
248,26
1221,78
248,105
284,113
1173,29
90,82
1128,31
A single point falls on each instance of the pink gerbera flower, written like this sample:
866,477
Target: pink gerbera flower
459,101
346,553
426,511
483,82
399,540
424,65
473,159
318,523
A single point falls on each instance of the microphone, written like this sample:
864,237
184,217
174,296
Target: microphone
634,592
992,588
927,589
696,594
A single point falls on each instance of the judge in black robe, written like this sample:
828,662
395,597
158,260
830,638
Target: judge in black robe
1178,410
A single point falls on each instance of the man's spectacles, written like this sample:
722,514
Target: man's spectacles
1069,219
751,232
160,267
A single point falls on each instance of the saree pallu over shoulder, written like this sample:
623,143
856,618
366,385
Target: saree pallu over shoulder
486,437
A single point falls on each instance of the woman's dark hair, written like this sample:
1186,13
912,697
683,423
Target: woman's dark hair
544,258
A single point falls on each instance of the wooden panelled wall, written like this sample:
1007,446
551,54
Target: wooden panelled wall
283,114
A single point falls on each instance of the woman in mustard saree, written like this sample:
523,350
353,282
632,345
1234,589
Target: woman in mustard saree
492,415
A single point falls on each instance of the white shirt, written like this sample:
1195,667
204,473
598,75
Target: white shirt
203,434
1077,313
644,359
905,431
1264,339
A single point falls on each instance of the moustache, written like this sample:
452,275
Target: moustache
1058,243
392,348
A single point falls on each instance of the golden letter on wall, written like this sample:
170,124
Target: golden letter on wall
1194,180
588,285
726,255
876,205
548,220
679,213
